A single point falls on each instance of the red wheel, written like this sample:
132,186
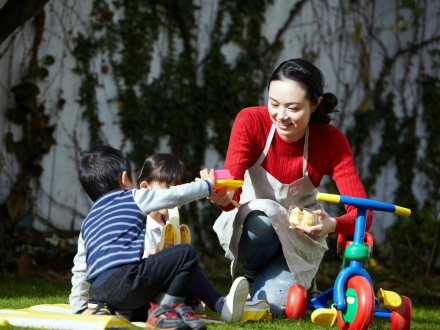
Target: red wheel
401,317
296,302
360,305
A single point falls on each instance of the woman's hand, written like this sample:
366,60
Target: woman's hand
221,197
325,226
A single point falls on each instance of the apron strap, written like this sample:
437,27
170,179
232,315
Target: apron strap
266,147
306,152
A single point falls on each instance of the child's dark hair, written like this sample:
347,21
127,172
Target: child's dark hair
164,168
100,168
312,80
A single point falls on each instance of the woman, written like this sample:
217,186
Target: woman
282,152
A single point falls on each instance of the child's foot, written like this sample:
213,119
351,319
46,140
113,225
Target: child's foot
233,305
164,317
189,317
103,309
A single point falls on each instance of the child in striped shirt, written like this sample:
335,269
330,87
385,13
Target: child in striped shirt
114,232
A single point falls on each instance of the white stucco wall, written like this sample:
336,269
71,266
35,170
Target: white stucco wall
317,28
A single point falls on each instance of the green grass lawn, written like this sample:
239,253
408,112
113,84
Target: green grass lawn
21,292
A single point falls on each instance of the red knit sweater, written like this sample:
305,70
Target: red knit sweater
329,154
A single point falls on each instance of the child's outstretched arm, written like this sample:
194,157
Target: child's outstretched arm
157,199
79,296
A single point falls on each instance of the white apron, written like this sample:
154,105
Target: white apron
261,191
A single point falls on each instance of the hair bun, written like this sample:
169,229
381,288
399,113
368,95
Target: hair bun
329,102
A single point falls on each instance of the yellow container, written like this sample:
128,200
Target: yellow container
231,184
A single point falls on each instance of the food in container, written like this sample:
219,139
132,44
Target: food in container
299,216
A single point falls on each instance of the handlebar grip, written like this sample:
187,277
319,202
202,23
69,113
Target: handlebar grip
328,198
402,211
363,203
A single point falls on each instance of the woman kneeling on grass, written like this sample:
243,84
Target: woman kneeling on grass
282,151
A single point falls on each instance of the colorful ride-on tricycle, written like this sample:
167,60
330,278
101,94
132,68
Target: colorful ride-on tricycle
351,300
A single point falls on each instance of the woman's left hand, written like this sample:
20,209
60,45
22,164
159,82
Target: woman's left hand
325,226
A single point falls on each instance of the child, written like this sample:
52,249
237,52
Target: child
162,171
113,235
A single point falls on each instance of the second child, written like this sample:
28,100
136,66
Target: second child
162,171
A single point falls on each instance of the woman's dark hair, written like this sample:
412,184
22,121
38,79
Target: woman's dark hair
312,80
100,168
164,168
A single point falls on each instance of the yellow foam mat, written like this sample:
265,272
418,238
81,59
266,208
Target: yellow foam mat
59,316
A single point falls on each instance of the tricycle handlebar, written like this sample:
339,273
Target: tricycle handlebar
364,204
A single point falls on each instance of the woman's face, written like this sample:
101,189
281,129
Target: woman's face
289,109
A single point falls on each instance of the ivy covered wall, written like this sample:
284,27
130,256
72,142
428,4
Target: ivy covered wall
145,76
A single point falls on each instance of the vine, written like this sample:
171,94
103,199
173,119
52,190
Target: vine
194,98
192,102
421,230
416,236
37,139
84,51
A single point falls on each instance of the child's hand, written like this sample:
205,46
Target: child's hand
168,244
208,176
88,311
157,248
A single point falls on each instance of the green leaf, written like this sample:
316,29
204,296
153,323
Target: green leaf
60,104
407,3
17,114
77,70
14,204
418,12
393,27
404,26
42,73
49,60
22,151
9,142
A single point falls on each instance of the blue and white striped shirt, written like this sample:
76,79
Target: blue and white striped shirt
113,232
114,229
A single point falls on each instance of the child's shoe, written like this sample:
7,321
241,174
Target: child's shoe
200,310
164,317
192,301
232,310
103,309
189,317
258,304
